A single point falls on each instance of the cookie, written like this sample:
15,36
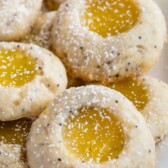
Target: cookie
91,126
97,44
41,30
150,96
30,78
13,136
11,156
17,18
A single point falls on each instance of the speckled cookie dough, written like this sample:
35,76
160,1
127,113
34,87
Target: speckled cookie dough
17,17
41,31
150,96
11,156
97,51
13,136
30,78
59,137
53,4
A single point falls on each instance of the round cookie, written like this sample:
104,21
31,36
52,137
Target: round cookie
30,78
97,47
93,127
41,30
150,96
13,136
17,17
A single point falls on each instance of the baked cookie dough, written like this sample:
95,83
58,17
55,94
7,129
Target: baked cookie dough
41,31
97,44
53,4
13,136
11,156
93,127
17,17
30,77
150,96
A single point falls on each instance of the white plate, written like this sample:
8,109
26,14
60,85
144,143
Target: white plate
161,72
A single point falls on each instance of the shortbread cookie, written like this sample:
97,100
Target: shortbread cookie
13,136
97,44
53,4
90,127
30,77
150,96
17,17
41,31
11,156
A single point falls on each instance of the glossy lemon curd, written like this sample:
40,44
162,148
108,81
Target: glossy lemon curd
134,90
111,17
17,68
15,132
93,135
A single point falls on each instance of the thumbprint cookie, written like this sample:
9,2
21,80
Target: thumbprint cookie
30,77
108,40
150,96
91,126
17,17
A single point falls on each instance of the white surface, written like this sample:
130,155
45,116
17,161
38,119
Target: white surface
161,72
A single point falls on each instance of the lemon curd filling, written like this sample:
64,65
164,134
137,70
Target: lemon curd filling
17,68
93,135
15,132
134,90
111,17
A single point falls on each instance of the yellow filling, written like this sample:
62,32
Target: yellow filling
15,132
111,17
17,68
135,91
94,135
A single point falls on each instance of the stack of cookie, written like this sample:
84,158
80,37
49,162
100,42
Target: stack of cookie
111,115
30,76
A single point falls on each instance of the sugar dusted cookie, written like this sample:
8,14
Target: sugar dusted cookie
30,77
93,127
13,136
17,17
41,30
108,40
11,156
150,96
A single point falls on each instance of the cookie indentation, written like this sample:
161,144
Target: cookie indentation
94,134
17,68
109,18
